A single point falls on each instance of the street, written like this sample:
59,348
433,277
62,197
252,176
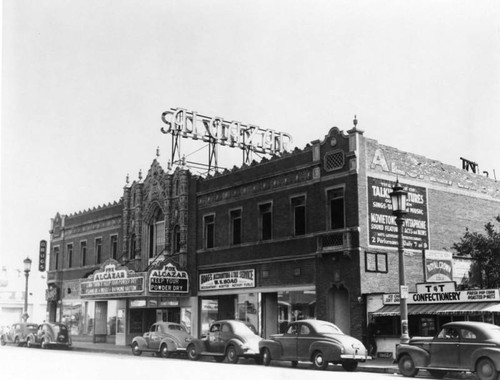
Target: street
24,363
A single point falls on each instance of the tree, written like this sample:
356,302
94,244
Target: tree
485,249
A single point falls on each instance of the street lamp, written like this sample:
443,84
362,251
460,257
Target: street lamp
398,199
27,269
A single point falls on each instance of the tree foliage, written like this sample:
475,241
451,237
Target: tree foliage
485,249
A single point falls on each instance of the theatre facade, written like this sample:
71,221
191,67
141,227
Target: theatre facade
306,233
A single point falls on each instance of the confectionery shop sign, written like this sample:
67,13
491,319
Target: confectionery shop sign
383,230
433,294
112,279
168,280
228,280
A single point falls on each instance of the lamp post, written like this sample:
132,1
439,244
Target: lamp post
398,199
27,269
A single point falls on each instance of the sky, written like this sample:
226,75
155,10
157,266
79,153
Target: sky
85,82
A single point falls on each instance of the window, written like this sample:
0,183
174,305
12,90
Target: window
83,252
114,247
336,208
157,234
209,231
98,250
236,230
376,262
177,239
266,221
299,215
56,257
70,255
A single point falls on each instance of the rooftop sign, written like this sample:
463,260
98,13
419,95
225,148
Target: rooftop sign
231,133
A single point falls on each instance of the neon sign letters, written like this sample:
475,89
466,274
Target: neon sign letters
223,132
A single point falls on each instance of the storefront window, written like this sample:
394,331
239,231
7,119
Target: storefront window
112,317
247,310
89,318
209,313
294,306
186,318
73,317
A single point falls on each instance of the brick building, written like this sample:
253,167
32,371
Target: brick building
303,234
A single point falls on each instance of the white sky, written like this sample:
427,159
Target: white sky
84,84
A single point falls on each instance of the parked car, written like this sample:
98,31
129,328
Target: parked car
163,338
229,339
314,340
458,347
49,335
17,333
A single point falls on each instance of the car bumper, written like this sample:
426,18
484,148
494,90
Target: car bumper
360,358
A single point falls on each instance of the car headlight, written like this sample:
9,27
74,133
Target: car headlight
188,339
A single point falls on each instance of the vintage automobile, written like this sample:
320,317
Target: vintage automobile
458,347
17,333
314,340
229,339
49,335
163,339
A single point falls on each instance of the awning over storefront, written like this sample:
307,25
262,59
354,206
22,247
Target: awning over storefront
442,309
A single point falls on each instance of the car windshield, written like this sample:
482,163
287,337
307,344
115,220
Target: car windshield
32,328
327,328
240,328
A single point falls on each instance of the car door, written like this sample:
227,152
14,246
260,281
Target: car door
289,342
213,339
445,348
469,342
154,337
304,340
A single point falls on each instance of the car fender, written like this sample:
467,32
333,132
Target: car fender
172,346
237,344
199,344
274,348
420,357
330,350
490,352
143,344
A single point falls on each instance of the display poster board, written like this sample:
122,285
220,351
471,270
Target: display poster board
383,231
438,266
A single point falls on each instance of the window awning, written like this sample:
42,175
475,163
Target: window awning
441,309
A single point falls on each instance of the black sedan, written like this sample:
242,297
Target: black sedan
458,347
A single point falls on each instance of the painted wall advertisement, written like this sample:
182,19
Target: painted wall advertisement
438,266
383,230
228,280
112,279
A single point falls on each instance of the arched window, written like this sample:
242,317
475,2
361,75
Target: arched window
157,234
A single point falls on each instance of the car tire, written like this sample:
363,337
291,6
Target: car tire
295,363
136,350
44,344
164,352
28,343
2,341
486,370
266,357
232,355
437,373
16,341
192,352
350,365
319,361
407,366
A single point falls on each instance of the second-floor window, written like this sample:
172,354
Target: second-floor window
114,246
376,262
56,258
98,250
299,215
336,208
157,234
266,221
70,255
236,231
83,252
209,231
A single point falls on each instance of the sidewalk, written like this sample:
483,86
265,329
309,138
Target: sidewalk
377,365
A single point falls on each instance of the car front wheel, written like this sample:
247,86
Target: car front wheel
266,356
232,355
135,349
350,365
319,360
2,341
486,370
44,344
192,352
28,343
407,366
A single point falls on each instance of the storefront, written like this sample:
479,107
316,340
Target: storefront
433,305
234,294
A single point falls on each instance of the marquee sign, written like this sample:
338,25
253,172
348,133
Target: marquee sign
112,279
383,230
232,133
168,280
228,280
